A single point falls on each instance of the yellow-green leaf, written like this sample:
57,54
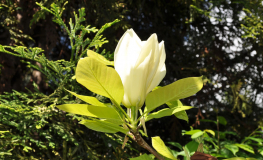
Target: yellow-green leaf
100,58
100,79
90,110
160,147
178,90
180,115
88,99
103,126
210,131
166,112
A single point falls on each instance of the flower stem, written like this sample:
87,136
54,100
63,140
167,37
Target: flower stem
139,140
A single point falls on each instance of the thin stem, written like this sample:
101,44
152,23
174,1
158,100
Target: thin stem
218,135
139,140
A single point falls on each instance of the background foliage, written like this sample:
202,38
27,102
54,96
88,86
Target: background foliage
219,39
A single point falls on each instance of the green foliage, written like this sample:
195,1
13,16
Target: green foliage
31,126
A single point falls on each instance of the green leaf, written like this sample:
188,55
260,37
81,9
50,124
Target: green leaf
88,99
233,148
197,134
100,58
222,120
178,145
259,140
245,147
166,112
191,147
90,110
100,79
192,132
142,157
103,126
178,90
180,115
210,131
160,147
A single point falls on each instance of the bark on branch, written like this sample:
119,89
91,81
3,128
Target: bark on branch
139,140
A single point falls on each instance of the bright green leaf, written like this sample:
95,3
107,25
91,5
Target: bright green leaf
192,132
178,90
197,134
180,115
222,120
90,110
166,112
100,79
88,99
259,140
160,147
100,58
233,148
103,126
245,147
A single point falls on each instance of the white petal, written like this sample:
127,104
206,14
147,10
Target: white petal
126,53
161,70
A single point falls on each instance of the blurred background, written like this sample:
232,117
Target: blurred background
221,40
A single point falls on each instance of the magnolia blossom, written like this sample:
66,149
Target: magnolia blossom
140,65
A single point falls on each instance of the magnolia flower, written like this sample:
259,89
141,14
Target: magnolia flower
140,65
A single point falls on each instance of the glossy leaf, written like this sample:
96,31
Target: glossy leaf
99,57
100,79
178,90
103,126
88,99
90,110
161,148
233,148
180,115
166,112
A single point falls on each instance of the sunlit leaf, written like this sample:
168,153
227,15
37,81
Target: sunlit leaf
197,134
100,79
100,58
160,147
180,115
166,112
210,131
178,90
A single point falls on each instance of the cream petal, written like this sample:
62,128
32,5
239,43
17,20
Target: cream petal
134,87
161,70
126,53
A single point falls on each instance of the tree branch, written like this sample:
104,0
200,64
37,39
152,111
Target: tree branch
139,140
